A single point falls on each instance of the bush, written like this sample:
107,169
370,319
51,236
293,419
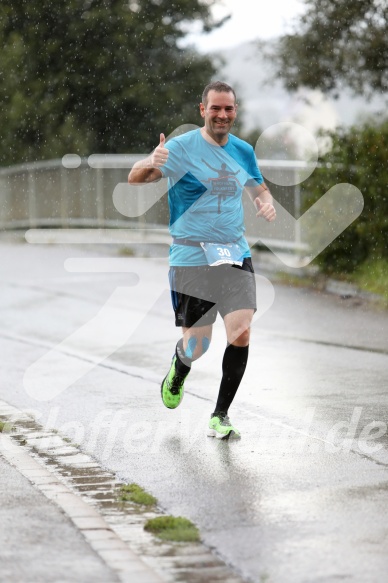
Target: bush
359,156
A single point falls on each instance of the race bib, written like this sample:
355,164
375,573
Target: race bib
219,253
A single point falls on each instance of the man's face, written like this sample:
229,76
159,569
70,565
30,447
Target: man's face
219,114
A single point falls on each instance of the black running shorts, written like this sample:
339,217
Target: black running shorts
198,293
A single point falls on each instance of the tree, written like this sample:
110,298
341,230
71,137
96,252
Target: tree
359,157
96,76
337,42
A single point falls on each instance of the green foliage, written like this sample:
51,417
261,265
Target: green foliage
372,276
5,427
173,528
359,156
96,76
337,42
136,494
252,136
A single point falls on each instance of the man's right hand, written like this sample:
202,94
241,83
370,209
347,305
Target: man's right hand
148,170
160,155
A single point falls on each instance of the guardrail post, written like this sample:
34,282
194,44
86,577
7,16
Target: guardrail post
32,214
100,197
64,197
297,207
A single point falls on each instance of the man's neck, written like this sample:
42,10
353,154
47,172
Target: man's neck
211,140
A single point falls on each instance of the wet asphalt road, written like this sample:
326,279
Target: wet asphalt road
38,542
302,497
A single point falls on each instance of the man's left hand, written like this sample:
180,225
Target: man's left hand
265,210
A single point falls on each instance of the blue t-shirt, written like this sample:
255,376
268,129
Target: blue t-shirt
205,186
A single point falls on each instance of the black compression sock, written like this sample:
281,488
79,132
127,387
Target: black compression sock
183,363
233,368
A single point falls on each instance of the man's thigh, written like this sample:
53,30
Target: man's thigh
193,296
237,289
237,326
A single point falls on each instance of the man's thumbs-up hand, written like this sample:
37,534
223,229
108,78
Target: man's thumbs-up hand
160,154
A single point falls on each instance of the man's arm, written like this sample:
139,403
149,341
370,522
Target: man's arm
263,201
148,170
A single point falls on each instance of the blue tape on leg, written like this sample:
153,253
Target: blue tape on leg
205,344
192,343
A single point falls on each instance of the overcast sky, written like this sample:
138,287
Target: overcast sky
251,19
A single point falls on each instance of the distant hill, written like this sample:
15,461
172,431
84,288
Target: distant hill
266,102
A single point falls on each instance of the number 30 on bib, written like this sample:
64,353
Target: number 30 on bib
217,254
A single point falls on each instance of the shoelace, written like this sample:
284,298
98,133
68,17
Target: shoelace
176,384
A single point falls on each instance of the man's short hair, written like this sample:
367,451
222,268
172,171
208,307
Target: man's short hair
218,86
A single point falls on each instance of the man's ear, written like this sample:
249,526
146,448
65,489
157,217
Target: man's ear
202,109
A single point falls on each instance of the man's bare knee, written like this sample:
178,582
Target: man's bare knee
241,339
237,326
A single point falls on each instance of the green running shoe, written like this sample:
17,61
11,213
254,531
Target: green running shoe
172,387
221,427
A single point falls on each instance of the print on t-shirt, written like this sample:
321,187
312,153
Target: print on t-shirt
223,186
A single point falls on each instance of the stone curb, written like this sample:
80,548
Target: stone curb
89,495
112,550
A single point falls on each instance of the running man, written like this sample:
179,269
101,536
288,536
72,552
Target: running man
210,262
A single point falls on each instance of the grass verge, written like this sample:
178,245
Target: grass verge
173,528
372,276
136,494
6,427
126,252
285,278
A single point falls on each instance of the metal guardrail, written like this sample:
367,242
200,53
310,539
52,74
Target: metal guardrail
48,194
